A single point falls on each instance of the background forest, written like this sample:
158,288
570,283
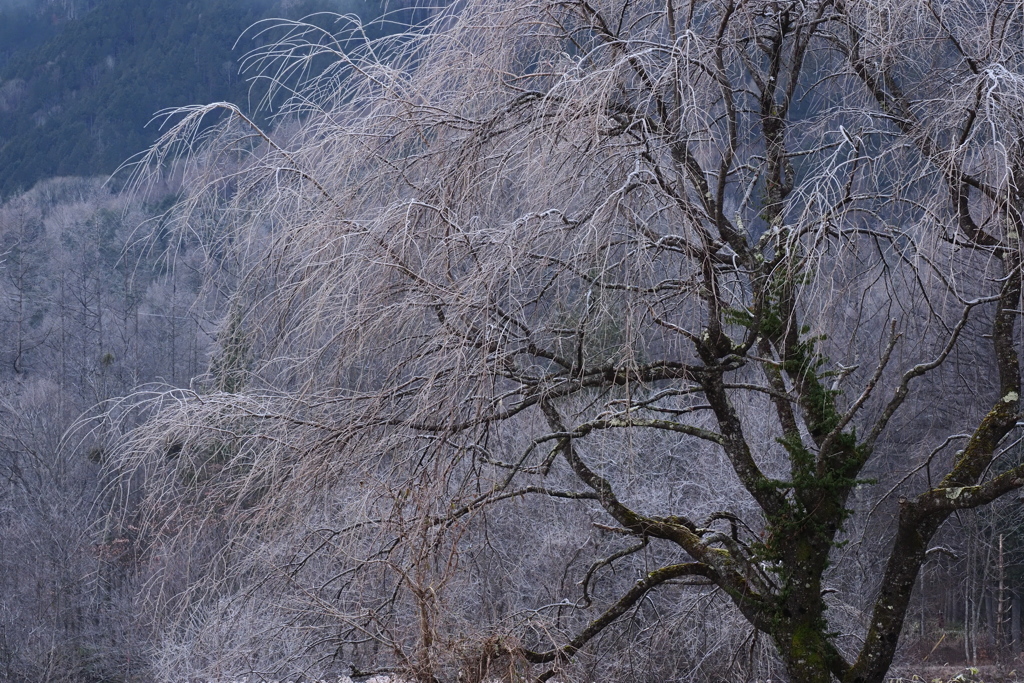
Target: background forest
186,492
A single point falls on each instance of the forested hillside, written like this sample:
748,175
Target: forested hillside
91,308
79,82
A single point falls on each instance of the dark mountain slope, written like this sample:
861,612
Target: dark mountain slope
76,93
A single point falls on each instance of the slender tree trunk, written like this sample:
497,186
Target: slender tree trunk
1001,605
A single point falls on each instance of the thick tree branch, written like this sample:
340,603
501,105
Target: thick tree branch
627,601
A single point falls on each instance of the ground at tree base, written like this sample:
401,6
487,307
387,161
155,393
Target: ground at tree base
983,673
921,673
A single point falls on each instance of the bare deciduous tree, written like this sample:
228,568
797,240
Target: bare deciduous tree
578,252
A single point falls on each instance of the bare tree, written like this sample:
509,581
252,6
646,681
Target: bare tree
582,253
